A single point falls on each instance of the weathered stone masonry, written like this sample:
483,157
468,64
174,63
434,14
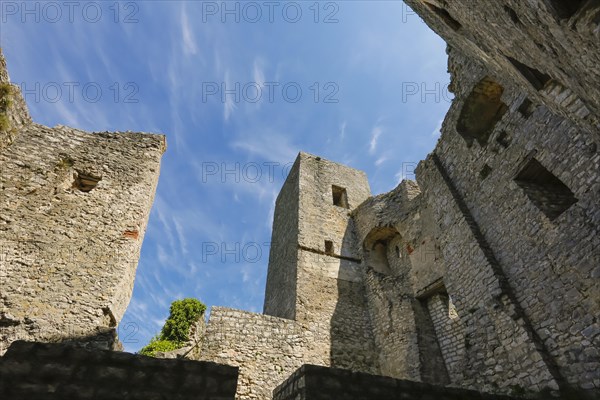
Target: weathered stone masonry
484,274
59,371
73,212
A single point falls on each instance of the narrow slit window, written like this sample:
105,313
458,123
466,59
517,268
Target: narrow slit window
512,14
548,193
340,196
503,139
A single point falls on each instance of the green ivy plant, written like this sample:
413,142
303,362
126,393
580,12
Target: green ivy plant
175,333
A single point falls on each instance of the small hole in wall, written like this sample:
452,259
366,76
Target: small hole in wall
512,14
398,252
85,182
526,108
329,247
503,139
485,172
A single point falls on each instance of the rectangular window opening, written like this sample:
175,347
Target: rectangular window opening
340,197
548,193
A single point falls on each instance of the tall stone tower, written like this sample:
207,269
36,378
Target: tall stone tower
315,275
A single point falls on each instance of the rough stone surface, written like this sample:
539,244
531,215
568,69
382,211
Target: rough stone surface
266,349
481,275
59,371
557,40
312,382
73,212
415,290
484,274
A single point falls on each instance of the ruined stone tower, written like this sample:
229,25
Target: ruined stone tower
314,268
73,211
312,217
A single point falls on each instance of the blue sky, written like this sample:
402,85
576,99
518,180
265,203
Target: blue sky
239,89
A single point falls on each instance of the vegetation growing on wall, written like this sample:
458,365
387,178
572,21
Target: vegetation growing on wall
175,333
6,92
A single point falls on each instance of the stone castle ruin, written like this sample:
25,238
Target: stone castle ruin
479,280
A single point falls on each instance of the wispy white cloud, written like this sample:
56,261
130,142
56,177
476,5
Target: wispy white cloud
179,229
380,160
343,130
375,134
161,209
229,105
187,35
162,255
268,145
258,73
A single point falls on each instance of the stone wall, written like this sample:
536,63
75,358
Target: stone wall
450,331
73,213
319,383
330,298
394,325
59,371
485,274
266,349
545,261
315,277
280,292
549,48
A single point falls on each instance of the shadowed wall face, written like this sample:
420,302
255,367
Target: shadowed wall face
59,371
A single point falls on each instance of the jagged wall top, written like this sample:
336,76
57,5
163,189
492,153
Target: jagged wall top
74,208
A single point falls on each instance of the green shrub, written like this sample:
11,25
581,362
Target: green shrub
183,314
175,333
157,345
